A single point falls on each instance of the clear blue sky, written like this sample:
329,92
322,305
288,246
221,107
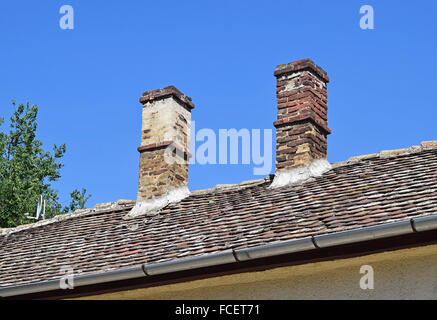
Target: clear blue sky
87,81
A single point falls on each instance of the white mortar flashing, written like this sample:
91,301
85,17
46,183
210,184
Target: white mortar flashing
301,174
151,206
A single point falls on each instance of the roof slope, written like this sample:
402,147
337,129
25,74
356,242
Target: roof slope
365,191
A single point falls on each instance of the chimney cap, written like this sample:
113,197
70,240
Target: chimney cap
304,64
170,91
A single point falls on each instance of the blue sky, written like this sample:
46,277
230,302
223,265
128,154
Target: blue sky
87,81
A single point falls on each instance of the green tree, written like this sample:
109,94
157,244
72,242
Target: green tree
78,200
27,171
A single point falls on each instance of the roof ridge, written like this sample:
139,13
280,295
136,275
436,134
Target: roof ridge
97,209
232,186
424,145
123,204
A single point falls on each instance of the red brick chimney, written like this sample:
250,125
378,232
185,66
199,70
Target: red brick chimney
302,124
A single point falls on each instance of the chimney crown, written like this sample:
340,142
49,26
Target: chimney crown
304,64
170,91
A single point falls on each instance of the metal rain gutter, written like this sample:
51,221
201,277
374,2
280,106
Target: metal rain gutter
189,263
364,234
79,280
385,230
275,249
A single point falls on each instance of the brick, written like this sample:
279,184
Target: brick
302,123
163,162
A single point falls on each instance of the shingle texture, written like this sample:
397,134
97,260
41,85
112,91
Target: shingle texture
362,192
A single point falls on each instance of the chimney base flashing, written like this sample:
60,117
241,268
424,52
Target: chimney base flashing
300,174
153,206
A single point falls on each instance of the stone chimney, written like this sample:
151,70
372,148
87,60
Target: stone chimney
302,124
164,149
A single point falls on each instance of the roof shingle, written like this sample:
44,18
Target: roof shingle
362,192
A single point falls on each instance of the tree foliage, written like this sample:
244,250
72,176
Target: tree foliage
78,200
27,171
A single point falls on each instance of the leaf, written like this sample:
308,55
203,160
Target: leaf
27,170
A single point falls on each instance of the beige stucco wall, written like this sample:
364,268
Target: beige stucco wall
402,274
